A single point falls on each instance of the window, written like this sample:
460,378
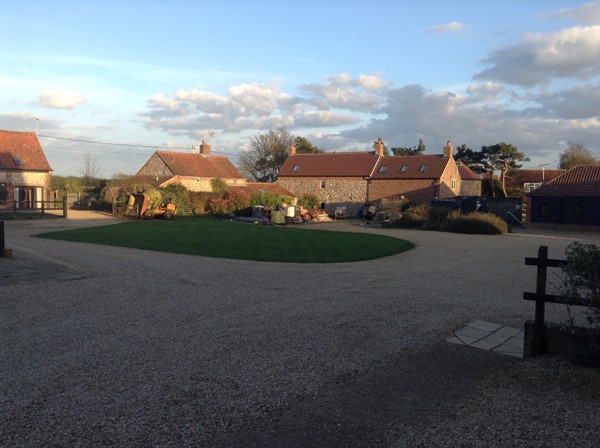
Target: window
383,169
530,186
423,168
404,169
578,211
296,169
545,210
322,184
454,184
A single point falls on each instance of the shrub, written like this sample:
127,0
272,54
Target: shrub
415,216
267,199
439,214
218,185
475,223
581,279
309,201
233,201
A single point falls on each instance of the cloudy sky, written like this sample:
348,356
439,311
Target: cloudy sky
148,75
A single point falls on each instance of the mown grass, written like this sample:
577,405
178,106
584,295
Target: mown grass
210,237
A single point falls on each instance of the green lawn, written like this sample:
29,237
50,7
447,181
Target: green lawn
225,239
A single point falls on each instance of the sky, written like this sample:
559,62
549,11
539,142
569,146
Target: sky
119,79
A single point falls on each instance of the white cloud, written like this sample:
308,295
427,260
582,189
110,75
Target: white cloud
541,58
587,14
61,100
452,27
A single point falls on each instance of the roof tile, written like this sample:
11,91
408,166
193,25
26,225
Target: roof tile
22,151
331,164
579,181
197,165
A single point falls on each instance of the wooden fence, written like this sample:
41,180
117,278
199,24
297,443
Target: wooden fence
541,297
38,206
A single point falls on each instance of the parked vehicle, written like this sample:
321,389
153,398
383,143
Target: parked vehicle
140,206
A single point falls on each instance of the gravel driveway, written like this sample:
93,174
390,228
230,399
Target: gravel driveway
110,346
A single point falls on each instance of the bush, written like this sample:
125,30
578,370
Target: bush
267,199
309,202
475,223
415,216
233,201
439,214
581,279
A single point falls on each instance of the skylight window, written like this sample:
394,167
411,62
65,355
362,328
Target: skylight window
404,169
383,168
18,161
423,168
296,169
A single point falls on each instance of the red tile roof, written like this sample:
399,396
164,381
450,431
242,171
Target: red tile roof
411,167
331,164
467,173
197,165
579,181
532,176
266,187
21,151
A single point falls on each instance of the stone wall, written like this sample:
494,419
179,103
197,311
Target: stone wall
11,179
349,192
155,167
414,190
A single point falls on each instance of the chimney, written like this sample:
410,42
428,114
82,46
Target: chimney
205,148
292,150
449,149
379,147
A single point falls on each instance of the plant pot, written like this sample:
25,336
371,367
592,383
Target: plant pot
582,352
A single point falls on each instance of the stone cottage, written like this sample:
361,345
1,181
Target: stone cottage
351,179
25,175
194,171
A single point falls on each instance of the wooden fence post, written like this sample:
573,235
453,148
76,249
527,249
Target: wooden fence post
540,305
65,207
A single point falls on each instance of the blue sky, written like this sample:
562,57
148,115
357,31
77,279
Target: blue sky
167,74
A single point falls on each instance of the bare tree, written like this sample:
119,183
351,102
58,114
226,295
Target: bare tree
90,170
576,154
268,152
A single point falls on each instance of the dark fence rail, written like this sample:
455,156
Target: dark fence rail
541,298
17,207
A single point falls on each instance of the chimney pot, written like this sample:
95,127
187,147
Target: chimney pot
448,149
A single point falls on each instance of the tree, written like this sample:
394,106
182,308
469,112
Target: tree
503,157
576,154
473,159
303,146
267,153
407,151
89,170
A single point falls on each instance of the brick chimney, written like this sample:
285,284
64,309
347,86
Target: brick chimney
379,147
205,148
449,149
292,150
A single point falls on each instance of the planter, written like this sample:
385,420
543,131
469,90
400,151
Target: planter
581,351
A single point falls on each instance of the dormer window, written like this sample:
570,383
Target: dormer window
383,168
404,169
296,169
423,168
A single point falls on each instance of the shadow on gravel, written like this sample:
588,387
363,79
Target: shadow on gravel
417,391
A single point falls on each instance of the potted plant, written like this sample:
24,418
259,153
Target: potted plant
581,286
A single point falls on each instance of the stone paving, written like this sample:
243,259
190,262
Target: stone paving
489,336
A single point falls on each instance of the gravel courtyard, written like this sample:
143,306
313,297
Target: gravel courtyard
107,346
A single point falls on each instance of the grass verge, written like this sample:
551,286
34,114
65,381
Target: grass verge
210,237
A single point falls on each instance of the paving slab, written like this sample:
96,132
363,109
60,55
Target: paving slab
490,336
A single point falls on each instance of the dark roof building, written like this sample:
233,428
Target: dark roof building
572,200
